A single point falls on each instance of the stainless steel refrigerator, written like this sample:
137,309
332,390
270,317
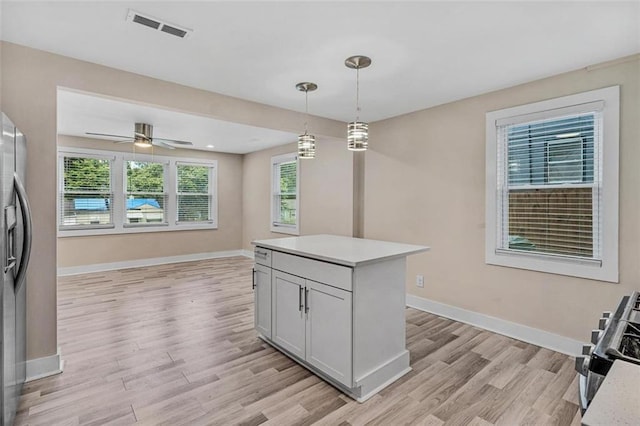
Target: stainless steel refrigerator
15,251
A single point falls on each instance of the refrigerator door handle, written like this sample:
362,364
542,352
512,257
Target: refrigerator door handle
10,228
20,276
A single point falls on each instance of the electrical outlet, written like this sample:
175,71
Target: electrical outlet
420,281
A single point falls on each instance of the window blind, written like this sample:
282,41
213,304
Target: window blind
285,192
86,197
194,193
549,174
145,196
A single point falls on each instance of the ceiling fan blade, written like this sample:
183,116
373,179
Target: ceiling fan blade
127,141
162,144
174,141
107,134
141,135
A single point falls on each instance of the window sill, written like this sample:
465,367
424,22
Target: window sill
594,270
282,229
135,229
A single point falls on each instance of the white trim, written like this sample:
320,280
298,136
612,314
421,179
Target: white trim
393,369
278,227
374,391
118,191
39,368
535,336
608,226
213,192
248,253
99,267
575,104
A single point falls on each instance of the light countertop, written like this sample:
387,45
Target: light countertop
617,401
346,251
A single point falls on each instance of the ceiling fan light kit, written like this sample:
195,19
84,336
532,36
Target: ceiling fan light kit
306,142
143,137
142,142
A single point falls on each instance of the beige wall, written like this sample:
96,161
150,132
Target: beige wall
326,192
30,79
87,250
425,184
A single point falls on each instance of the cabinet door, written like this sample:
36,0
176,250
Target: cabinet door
288,312
262,298
328,333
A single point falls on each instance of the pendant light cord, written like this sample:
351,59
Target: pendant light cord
358,94
306,110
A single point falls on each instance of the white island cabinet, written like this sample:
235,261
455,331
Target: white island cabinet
337,306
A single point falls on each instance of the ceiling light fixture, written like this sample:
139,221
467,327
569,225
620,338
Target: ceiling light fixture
142,142
357,131
306,142
143,135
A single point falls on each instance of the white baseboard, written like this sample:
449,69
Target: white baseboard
100,267
44,367
248,253
535,336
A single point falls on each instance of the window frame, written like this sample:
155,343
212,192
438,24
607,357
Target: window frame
61,191
605,269
125,193
213,185
275,226
118,185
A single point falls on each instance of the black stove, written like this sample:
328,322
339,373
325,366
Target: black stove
617,338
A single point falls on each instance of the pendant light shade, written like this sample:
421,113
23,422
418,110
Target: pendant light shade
306,142
357,136
306,146
357,131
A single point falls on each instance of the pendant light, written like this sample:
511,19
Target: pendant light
357,131
306,142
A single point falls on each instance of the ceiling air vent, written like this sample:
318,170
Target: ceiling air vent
157,24
173,31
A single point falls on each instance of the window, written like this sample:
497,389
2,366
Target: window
284,190
104,192
145,196
86,198
552,186
194,192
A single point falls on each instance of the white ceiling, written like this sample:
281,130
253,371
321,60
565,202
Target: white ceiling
424,53
79,113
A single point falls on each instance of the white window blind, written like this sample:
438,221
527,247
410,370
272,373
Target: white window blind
552,185
549,185
86,196
145,193
285,193
194,192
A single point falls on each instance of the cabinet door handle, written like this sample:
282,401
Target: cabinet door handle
253,279
306,301
300,300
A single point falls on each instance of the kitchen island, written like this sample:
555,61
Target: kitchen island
336,305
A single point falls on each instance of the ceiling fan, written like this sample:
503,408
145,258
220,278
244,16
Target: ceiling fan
143,137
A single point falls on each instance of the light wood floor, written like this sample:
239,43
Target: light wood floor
175,345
